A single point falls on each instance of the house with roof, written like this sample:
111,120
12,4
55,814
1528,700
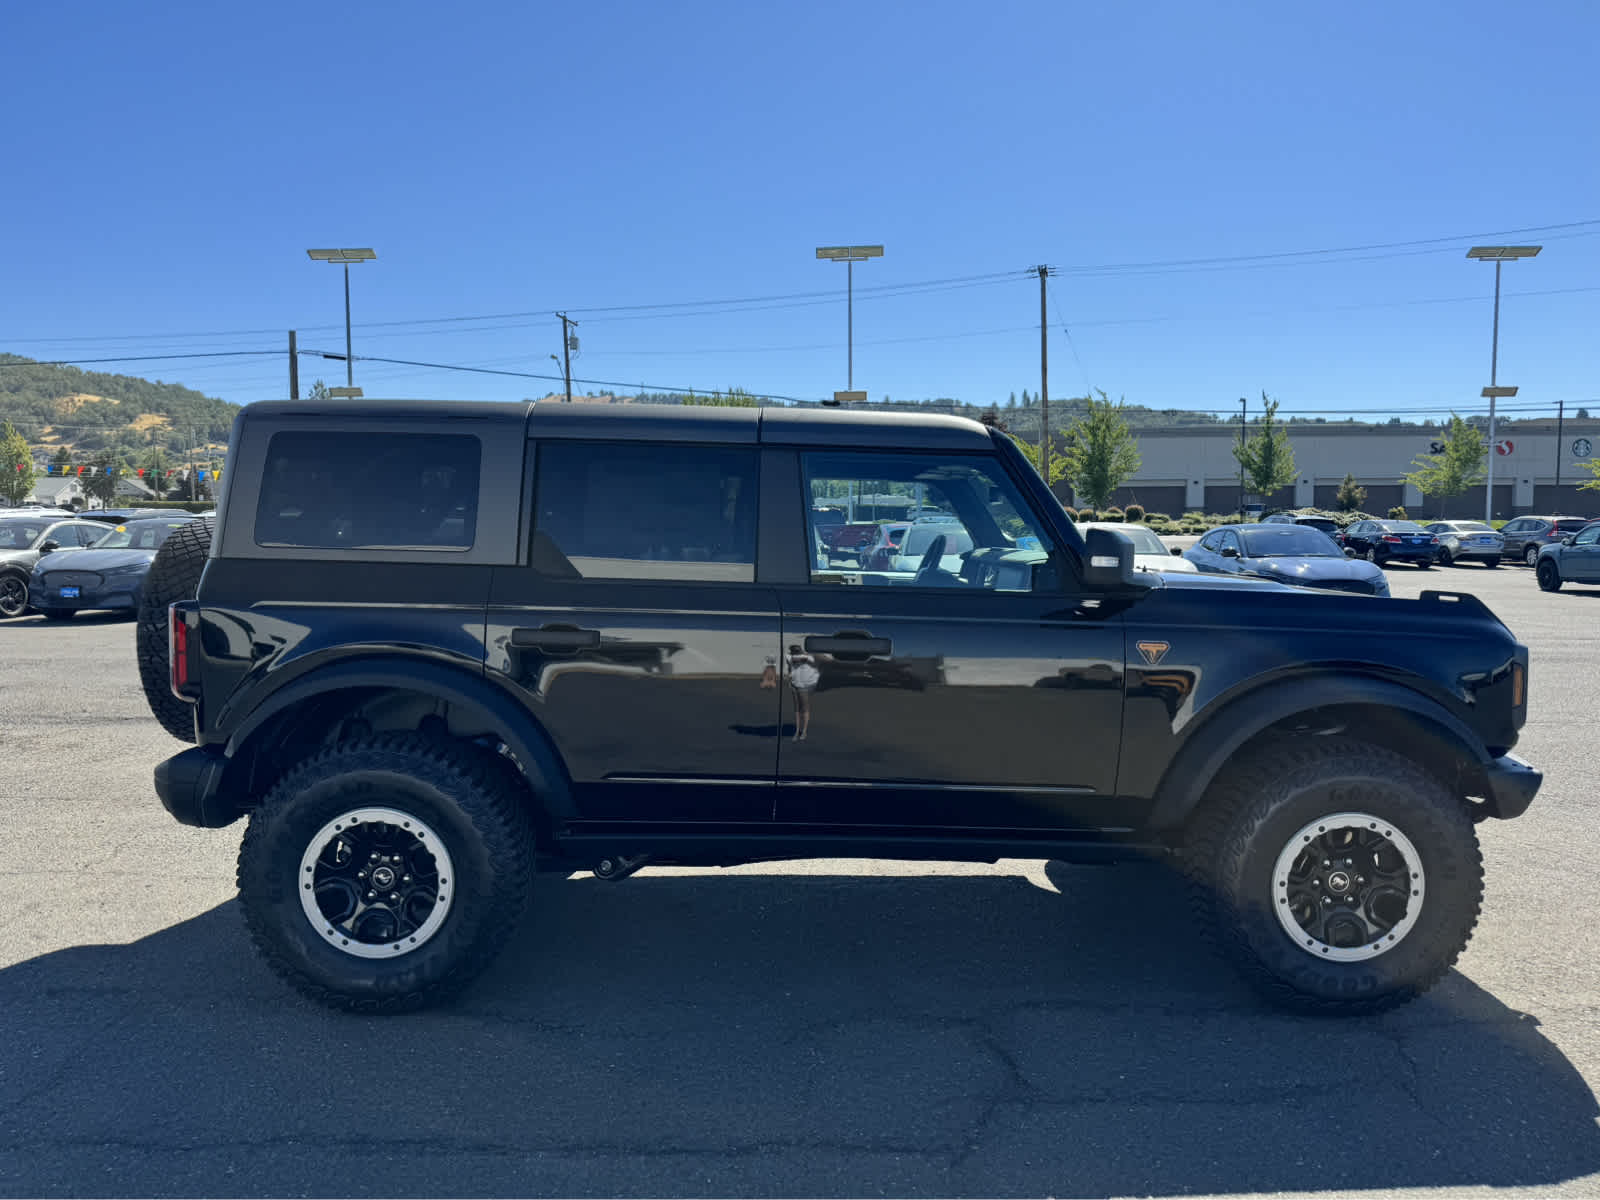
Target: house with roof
54,491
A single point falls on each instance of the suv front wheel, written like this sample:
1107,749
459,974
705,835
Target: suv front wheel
1336,875
383,874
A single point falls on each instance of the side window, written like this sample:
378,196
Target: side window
1212,541
643,511
1587,536
349,491
968,525
1230,540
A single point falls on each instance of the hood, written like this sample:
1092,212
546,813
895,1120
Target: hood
1203,581
17,555
1164,562
93,560
1291,569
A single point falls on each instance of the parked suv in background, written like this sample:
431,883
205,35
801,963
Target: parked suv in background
1574,559
1321,524
438,646
1526,536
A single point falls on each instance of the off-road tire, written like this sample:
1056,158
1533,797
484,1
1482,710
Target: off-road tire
13,594
1251,814
174,575
1548,575
476,803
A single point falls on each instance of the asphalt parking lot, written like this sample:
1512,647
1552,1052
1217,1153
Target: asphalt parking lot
818,1028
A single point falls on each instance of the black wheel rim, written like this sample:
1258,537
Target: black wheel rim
376,883
13,596
1348,887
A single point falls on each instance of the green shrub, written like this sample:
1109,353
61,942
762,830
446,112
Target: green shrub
1072,513
1088,514
1156,518
1397,513
1111,514
1134,512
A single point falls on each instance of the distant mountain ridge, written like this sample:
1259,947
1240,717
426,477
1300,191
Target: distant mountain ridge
86,411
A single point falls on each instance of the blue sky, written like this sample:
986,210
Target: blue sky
170,164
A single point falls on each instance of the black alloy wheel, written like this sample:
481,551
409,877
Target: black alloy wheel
13,594
1548,575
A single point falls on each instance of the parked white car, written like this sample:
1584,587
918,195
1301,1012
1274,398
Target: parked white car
1150,553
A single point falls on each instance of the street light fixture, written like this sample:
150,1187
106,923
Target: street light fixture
345,257
850,256
1496,255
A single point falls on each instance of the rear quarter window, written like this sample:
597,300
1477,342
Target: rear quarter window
369,490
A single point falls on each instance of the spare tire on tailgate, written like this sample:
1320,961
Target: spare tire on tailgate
174,575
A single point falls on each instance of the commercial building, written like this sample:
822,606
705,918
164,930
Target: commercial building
1189,468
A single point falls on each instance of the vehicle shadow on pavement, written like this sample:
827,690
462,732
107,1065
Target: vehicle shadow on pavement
1056,1032
32,621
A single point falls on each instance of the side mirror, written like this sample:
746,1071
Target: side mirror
49,546
1177,551
1108,560
1230,552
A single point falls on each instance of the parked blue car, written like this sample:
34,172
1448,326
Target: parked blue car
1288,554
108,574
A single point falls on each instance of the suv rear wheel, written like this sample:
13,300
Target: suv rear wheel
384,874
1337,876
1531,555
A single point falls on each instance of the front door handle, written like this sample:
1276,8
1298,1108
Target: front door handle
857,645
556,637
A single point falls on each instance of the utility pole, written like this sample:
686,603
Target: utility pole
294,368
1561,412
1244,405
1044,273
567,342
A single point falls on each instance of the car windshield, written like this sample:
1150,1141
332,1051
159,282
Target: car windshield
1402,527
138,535
919,537
1468,526
1288,541
1144,540
18,534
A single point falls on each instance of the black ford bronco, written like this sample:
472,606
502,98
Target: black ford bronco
428,649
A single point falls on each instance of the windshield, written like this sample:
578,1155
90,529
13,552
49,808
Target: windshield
1469,526
1402,527
138,535
1289,541
19,535
1144,540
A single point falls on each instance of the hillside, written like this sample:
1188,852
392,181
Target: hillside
93,410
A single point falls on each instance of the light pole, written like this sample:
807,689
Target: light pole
346,257
850,256
1496,255
1244,406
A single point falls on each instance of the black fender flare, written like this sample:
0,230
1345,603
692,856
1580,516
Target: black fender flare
470,694
1210,745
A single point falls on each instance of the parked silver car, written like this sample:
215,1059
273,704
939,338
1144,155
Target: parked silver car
1467,541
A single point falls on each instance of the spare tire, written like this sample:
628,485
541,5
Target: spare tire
174,575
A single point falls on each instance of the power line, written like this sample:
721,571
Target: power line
78,362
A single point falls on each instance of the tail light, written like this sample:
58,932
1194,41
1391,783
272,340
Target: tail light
1390,537
181,623
1433,541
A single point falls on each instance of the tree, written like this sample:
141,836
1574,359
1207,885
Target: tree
1593,467
61,459
1058,465
319,391
100,480
1012,403
1583,414
1101,451
1266,456
1351,496
1452,472
16,465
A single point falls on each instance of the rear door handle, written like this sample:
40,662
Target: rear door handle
861,645
556,637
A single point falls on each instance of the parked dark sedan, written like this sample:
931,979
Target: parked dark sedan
109,574
1392,541
1288,554
1525,537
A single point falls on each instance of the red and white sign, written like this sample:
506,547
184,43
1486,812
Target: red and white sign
1505,447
